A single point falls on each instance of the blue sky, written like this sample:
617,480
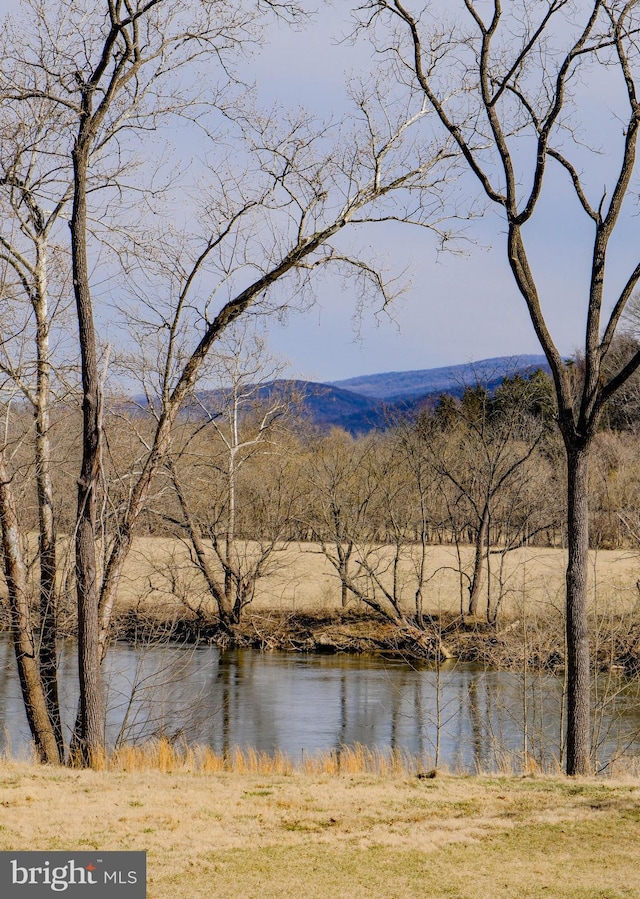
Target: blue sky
459,308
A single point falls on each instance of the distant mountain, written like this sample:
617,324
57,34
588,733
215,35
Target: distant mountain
396,385
328,406
322,404
359,405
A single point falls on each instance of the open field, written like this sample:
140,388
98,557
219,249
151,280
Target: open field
237,836
302,580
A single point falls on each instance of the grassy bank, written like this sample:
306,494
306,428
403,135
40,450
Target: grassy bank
243,835
297,606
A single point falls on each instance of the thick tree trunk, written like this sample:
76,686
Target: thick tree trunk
33,693
578,662
91,736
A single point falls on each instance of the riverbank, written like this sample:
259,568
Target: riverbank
536,643
350,835
297,607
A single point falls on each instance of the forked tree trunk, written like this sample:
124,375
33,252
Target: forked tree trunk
33,693
344,557
578,661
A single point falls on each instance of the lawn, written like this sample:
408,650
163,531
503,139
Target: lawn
312,835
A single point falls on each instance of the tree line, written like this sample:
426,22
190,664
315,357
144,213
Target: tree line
246,476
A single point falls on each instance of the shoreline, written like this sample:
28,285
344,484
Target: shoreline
509,646
523,637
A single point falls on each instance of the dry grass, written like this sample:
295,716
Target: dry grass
302,580
169,758
276,834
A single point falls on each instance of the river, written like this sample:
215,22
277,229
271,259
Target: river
472,719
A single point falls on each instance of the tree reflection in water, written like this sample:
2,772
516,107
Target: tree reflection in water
302,704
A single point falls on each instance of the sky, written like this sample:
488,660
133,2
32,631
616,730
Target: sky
458,308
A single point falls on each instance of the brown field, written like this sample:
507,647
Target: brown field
302,580
238,836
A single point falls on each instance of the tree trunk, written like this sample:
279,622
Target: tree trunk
48,592
33,694
578,662
231,498
344,593
47,534
344,556
476,582
91,736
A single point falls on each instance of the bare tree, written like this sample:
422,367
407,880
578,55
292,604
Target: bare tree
34,193
368,510
507,78
232,475
483,447
339,498
276,228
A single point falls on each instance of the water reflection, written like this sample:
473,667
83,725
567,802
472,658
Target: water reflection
468,718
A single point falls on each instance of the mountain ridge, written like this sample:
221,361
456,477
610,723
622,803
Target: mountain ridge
396,384
358,408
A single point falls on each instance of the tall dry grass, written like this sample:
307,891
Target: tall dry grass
166,757
170,758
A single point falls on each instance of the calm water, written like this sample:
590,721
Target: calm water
306,703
